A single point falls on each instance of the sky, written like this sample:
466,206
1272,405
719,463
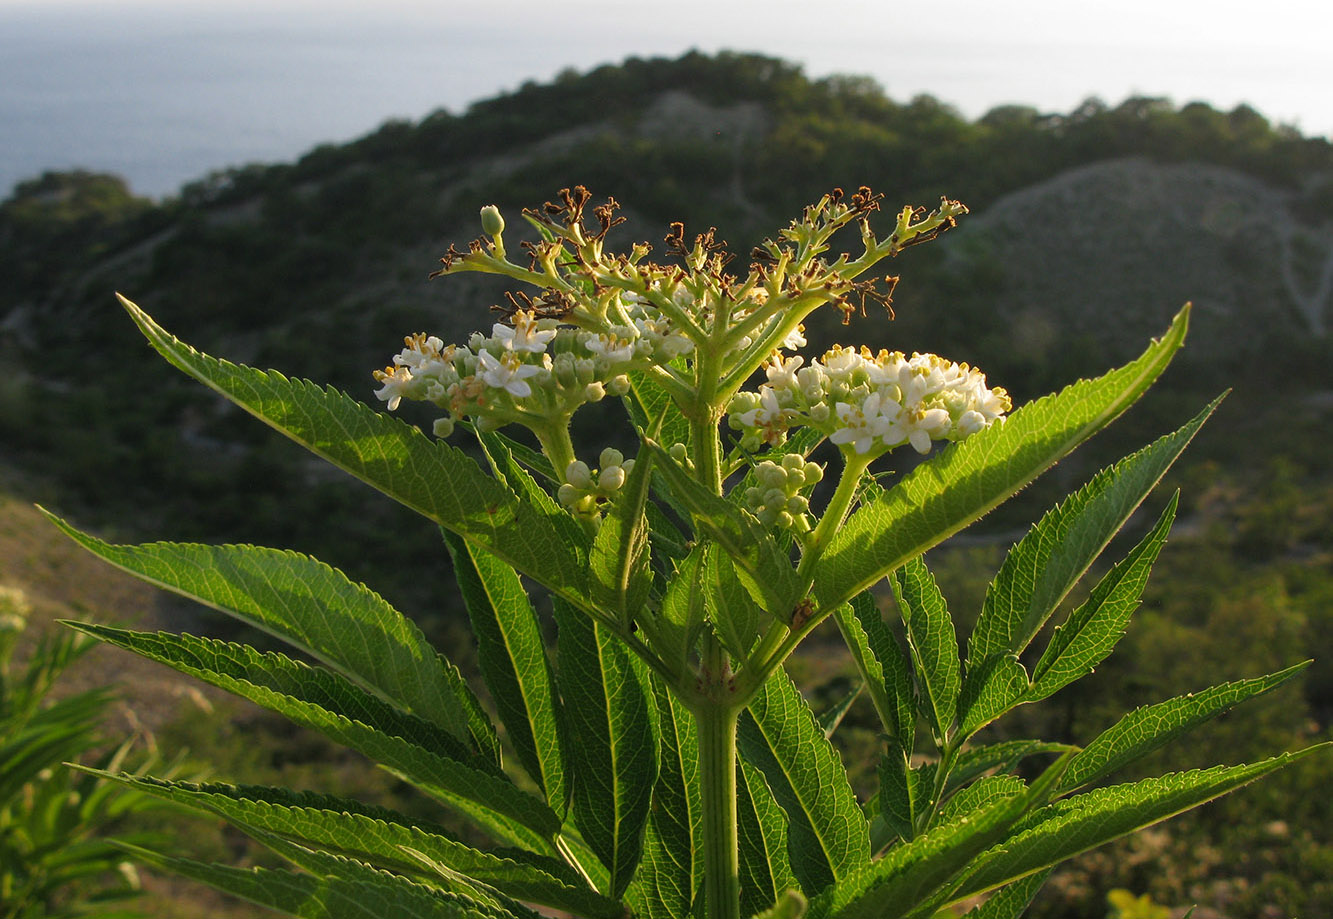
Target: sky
163,92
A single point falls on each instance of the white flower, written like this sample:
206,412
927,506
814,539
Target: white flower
506,373
782,373
396,381
795,339
876,418
524,336
923,427
610,349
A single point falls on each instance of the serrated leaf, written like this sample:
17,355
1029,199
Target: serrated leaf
672,868
613,747
314,608
760,560
883,665
1040,571
945,494
619,569
828,836
932,643
1090,633
915,871
1068,827
325,702
1145,729
904,792
980,794
499,451
761,826
377,836
1010,901
512,655
674,631
359,895
735,616
831,717
429,476
1000,757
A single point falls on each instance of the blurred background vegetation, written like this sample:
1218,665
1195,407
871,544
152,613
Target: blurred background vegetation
1089,230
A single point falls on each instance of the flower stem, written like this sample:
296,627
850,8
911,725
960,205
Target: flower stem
716,724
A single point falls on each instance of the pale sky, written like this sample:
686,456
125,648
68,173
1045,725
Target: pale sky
223,81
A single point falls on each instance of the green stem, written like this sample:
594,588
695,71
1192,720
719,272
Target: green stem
716,723
835,513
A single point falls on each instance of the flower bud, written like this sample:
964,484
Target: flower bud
793,462
567,494
813,473
578,474
492,224
443,427
771,475
594,391
618,385
611,479
610,457
677,452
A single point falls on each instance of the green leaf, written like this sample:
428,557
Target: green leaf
932,643
614,756
325,702
1090,633
904,792
828,836
378,836
357,892
619,564
732,611
314,608
1145,729
1064,829
1010,902
436,480
672,871
883,665
915,871
760,560
1040,571
513,660
1000,757
761,827
674,631
980,794
940,497
831,717
500,453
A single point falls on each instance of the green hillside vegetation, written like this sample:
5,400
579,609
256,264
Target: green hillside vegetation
1089,229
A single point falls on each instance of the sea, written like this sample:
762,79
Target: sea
164,93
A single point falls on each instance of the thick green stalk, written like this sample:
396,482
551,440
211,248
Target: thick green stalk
716,723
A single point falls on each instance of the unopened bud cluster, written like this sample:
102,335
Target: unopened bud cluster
777,499
585,489
866,402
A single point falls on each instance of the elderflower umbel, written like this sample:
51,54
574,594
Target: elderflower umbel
868,403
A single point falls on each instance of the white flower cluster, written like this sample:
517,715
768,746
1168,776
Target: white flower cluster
868,403
777,499
584,489
533,367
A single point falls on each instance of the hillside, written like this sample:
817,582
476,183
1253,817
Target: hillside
1089,230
